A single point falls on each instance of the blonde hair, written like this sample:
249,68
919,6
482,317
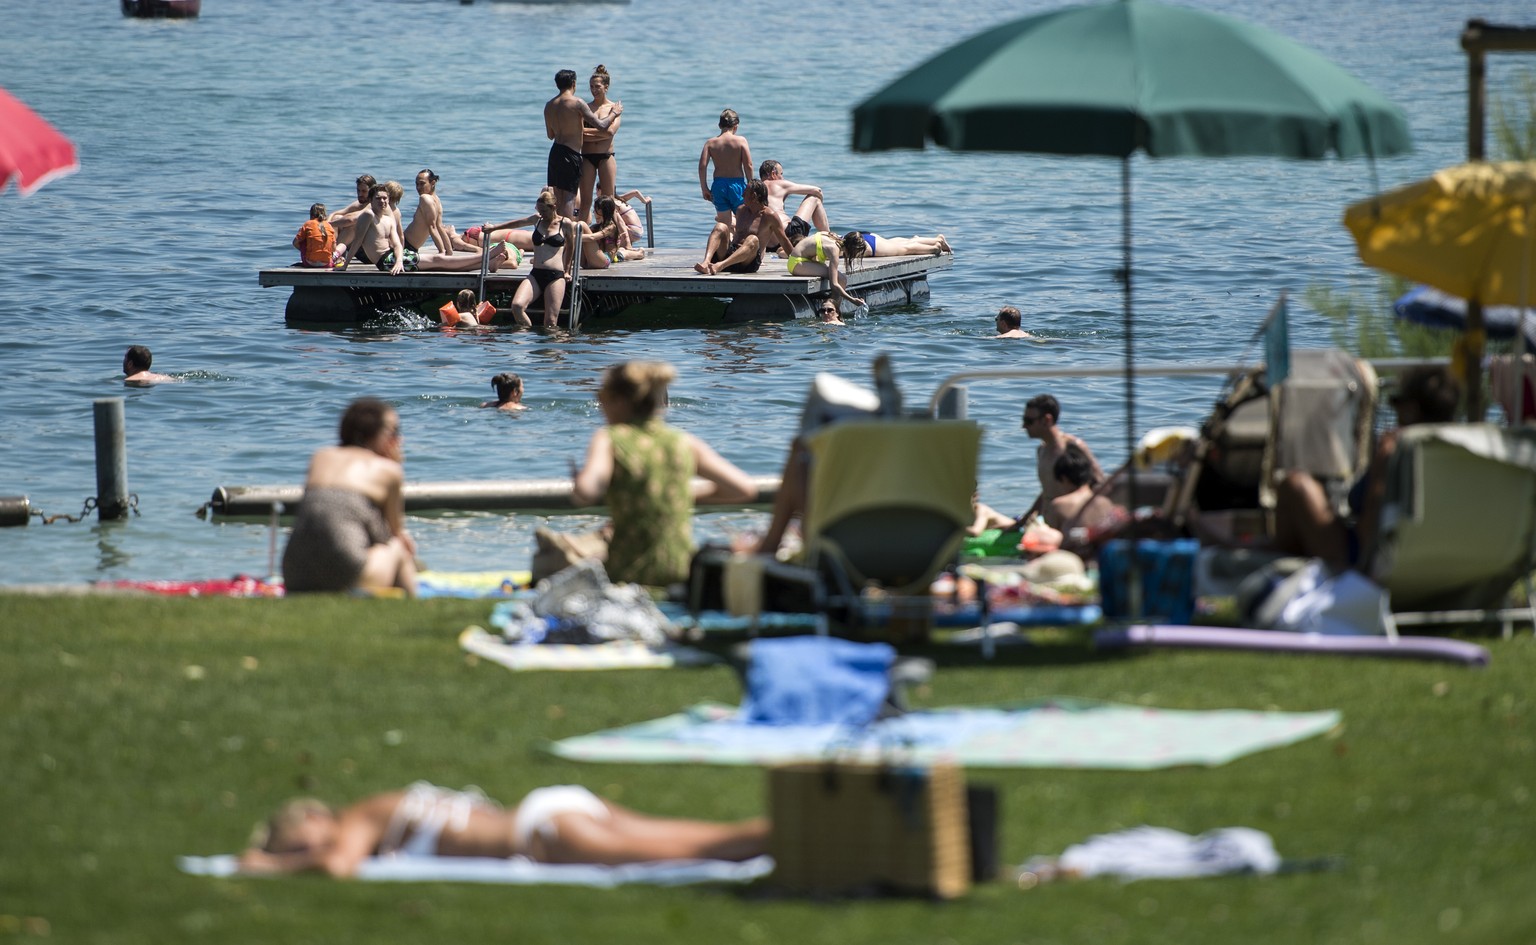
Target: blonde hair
395,191
274,834
639,385
601,74
547,198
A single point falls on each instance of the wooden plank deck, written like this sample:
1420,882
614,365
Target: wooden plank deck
322,295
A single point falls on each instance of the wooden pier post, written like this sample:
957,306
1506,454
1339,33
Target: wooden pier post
111,460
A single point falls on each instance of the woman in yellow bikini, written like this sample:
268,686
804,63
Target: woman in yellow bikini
817,255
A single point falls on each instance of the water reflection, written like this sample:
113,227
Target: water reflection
108,553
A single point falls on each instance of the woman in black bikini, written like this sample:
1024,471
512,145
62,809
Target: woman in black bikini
598,166
551,263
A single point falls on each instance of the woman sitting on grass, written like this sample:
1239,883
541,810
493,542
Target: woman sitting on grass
350,532
646,470
563,824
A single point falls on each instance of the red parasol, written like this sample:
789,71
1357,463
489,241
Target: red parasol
31,150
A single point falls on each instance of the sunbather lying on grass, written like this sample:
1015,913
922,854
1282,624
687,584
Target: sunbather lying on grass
563,824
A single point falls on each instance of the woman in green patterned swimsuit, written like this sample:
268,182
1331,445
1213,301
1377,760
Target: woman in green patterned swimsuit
646,470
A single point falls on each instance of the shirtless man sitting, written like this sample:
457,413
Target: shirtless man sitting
427,222
345,219
565,116
1040,416
561,824
380,242
811,212
737,247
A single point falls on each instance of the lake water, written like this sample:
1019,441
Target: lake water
203,143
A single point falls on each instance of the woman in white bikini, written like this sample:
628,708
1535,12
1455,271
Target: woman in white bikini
598,165
562,824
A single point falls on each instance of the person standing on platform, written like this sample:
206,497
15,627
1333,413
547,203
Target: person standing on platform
565,120
599,168
733,167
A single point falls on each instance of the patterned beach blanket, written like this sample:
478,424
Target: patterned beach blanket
473,584
1056,733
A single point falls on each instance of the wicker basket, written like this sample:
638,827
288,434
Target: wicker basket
862,829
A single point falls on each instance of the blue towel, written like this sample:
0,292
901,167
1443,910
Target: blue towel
816,680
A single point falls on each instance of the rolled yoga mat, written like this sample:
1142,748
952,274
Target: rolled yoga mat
1233,638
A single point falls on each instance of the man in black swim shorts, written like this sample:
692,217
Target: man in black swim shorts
563,118
738,247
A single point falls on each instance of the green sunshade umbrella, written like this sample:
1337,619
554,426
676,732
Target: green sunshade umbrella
1132,75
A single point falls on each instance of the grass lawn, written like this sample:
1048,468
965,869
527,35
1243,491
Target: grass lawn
136,729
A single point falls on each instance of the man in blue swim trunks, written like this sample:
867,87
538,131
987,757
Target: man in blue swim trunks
733,167
563,118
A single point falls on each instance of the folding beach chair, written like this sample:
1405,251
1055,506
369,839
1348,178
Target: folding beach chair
1458,526
887,505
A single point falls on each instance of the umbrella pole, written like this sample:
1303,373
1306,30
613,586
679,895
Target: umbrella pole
1473,341
1133,568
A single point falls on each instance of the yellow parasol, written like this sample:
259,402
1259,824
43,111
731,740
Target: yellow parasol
1469,230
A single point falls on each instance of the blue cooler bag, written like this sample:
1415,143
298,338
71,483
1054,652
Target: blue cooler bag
1167,578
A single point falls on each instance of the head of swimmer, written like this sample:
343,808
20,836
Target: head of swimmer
599,81
509,388
729,119
426,181
565,80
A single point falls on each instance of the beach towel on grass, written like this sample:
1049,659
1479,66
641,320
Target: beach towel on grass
471,584
807,681
620,654
1056,733
241,585
521,871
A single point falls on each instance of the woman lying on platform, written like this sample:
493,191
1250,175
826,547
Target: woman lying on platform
563,824
856,243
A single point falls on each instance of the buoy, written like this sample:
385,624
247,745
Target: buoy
14,510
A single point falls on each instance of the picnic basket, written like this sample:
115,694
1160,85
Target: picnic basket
854,828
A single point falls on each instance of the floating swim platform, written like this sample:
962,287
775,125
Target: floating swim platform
663,288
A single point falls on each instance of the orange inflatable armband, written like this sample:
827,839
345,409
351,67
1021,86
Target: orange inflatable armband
450,314
484,312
